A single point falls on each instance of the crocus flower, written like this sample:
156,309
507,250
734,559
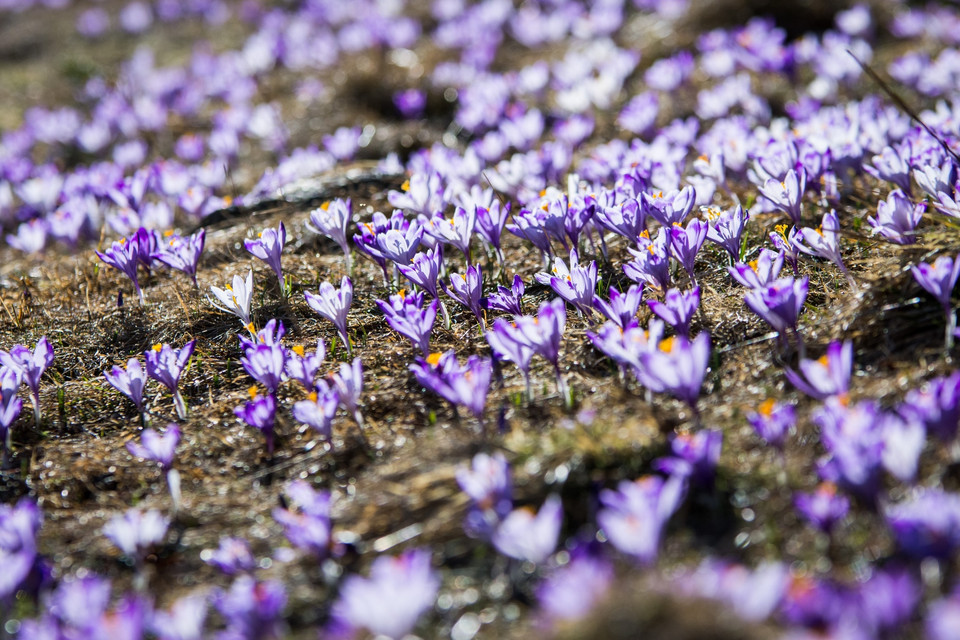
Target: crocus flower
459,385
136,532
424,269
487,482
570,592
260,413
779,303
939,279
331,219
543,334
156,447
824,241
270,335
633,516
823,508
19,524
334,304
927,523
787,194
773,421
897,218
672,208
827,376
184,620
10,407
685,243
303,367
30,364
528,225
622,307
891,166
507,299
235,299
422,193
165,365
677,367
853,438
232,556
508,345
130,381
265,364
400,246
124,257
785,241
694,456
319,409
937,406
726,230
183,254
530,537
624,346
467,290
388,603
753,594
490,223
758,273
677,309
457,231
252,609
306,518
268,246
407,316
943,618
348,381
627,219
576,285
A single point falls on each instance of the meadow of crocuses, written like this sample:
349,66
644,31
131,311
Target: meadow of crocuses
549,318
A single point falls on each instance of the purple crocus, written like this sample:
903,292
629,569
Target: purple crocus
785,241
231,557
30,365
779,303
627,218
633,516
897,218
823,508
622,307
570,592
694,456
124,256
252,609
787,194
332,219
824,241
508,345
19,524
939,279
459,385
937,406
183,254
672,208
854,439
136,532
576,285
677,367
507,299
827,376
758,273
348,381
265,364
260,413
456,231
165,365
773,421
407,316
184,620
544,334
927,523
490,224
528,536
10,404
267,247
726,230
306,518
677,309
334,304
388,603
302,366
685,243
487,482
319,409
156,447
467,290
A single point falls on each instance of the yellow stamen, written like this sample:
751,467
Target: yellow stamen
249,326
666,345
298,350
228,200
406,185
157,347
325,206
823,360
313,396
766,409
433,359
754,264
645,234
168,233
252,391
